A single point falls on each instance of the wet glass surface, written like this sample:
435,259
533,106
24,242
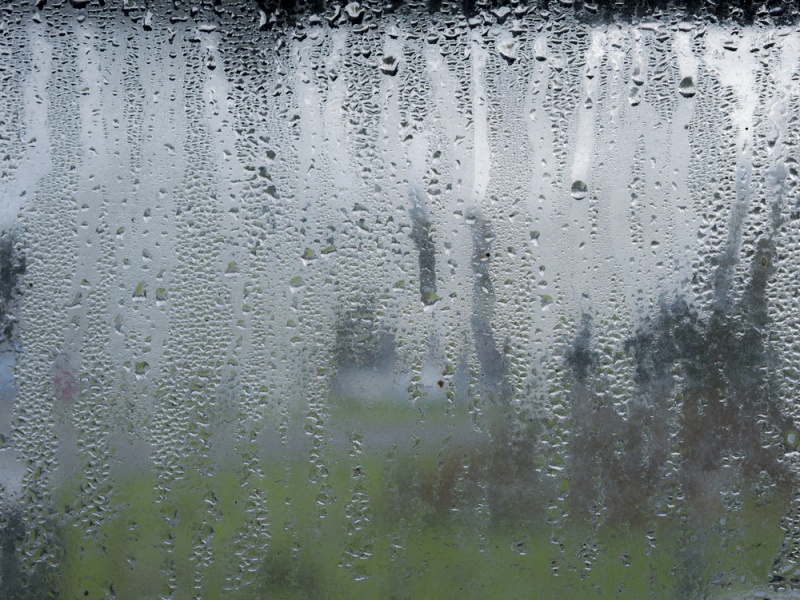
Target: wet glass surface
399,300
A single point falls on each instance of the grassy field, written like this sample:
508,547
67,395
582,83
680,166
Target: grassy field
389,522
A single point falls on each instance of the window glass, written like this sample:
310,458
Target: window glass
399,300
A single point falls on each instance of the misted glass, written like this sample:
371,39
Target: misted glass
399,300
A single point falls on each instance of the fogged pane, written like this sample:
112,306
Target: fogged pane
399,300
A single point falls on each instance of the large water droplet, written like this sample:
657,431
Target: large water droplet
686,87
355,12
792,438
579,190
502,13
634,97
508,50
388,65
637,76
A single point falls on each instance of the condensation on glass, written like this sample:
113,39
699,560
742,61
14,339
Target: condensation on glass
372,300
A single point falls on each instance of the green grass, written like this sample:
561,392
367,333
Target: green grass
416,547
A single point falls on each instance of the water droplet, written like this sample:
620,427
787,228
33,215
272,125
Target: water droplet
388,65
637,76
355,12
686,87
502,13
508,50
793,438
579,190
634,97
730,45
429,296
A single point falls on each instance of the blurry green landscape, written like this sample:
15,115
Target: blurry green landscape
416,537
